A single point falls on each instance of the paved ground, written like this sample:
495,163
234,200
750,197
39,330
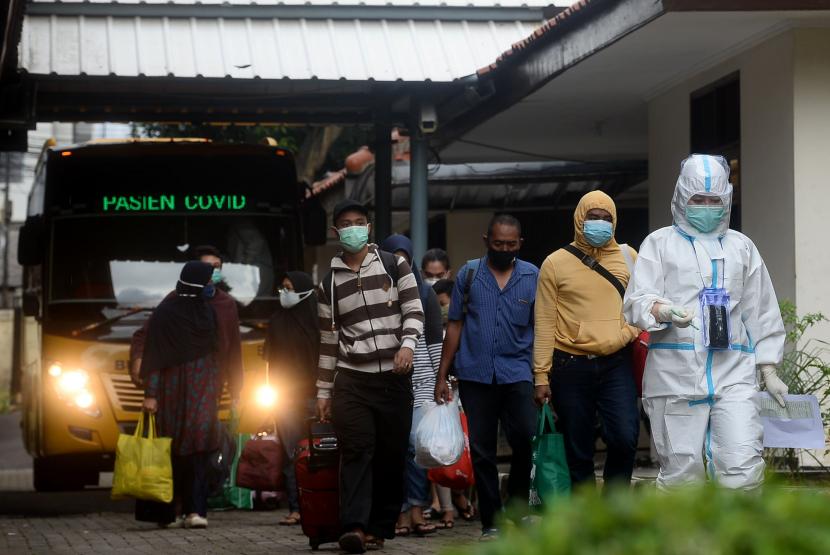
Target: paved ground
89,522
229,532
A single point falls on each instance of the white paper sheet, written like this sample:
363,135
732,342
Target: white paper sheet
797,426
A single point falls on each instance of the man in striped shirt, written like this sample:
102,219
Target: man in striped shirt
370,321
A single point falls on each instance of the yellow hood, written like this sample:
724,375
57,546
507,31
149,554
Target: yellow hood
594,199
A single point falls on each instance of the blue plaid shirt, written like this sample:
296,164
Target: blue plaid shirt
497,338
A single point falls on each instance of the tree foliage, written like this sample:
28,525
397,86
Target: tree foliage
303,141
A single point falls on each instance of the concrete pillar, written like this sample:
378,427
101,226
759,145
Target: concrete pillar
418,196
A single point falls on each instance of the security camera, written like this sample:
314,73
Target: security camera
428,119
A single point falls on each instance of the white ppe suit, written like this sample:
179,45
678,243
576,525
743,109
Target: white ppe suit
700,401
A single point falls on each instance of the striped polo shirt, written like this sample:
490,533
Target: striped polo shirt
372,320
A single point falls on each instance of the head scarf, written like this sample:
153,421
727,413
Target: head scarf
594,199
183,327
702,174
293,344
398,242
301,281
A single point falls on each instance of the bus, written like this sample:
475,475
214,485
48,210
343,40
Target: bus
108,227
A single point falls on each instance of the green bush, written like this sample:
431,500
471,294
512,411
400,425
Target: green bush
696,521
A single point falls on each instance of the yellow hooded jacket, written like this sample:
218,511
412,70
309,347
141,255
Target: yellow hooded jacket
577,310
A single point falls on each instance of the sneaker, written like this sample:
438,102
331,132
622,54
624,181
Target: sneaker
178,523
489,535
195,521
353,542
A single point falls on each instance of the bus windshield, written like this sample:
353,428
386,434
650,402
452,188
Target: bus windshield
100,263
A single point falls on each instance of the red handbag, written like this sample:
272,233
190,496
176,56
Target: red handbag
261,465
639,354
458,475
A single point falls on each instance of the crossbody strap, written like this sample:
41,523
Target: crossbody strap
592,263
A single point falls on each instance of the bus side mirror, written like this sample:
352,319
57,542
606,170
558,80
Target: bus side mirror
31,304
314,221
30,242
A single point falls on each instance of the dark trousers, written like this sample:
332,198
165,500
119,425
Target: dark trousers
372,415
486,405
581,388
190,483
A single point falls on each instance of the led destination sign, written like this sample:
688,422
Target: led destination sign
172,203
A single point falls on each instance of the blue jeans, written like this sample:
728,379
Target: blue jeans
417,485
581,387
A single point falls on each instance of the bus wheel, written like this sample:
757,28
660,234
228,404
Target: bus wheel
59,474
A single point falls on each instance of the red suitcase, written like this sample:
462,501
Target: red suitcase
317,468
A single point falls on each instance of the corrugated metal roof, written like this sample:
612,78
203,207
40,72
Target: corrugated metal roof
436,3
322,48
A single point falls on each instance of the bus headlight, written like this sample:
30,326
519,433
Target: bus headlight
73,381
73,387
266,396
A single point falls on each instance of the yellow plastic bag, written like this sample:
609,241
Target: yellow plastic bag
143,468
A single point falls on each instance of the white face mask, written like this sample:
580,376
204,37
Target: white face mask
431,281
290,299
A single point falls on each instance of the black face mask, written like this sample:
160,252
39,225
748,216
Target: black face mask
501,260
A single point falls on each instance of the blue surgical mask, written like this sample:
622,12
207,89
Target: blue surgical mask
705,218
216,277
597,232
354,238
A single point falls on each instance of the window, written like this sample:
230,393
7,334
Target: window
716,129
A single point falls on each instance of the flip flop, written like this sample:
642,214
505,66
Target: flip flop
401,531
423,529
290,521
445,524
468,513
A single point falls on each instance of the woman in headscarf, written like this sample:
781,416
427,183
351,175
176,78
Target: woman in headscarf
425,368
182,386
292,349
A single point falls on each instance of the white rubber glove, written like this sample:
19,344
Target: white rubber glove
677,315
773,383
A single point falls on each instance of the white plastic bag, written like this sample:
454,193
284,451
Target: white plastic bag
439,439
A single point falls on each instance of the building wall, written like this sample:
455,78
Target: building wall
464,232
767,151
812,192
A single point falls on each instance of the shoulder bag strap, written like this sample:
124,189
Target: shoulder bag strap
472,270
591,262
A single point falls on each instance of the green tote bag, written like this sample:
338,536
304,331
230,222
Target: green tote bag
549,476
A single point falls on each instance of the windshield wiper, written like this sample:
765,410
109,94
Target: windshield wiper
96,325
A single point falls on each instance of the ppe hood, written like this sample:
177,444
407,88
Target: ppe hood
702,174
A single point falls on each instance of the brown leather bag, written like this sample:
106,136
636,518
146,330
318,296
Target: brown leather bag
261,465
